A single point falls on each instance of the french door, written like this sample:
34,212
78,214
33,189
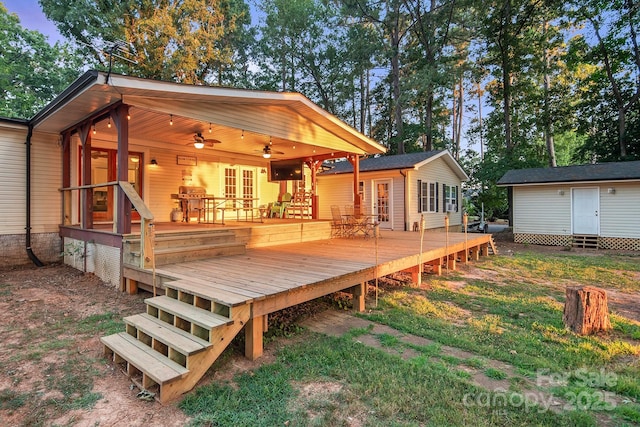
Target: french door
382,208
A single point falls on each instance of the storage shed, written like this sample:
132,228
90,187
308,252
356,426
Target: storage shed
593,205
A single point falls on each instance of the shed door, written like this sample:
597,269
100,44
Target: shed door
585,206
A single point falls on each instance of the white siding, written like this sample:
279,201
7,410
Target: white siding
45,181
620,211
338,190
165,179
542,210
434,171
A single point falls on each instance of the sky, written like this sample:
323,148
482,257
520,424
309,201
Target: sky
32,18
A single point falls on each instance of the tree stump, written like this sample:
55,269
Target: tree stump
585,310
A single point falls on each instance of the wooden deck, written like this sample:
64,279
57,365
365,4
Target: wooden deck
241,290
277,277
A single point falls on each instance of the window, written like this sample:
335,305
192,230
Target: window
450,197
361,191
427,196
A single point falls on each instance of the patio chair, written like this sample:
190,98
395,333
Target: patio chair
339,226
278,208
300,205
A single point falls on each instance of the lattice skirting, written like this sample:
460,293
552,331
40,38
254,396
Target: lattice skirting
101,260
542,239
618,243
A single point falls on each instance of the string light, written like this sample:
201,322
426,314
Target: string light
242,136
170,119
94,128
109,124
209,127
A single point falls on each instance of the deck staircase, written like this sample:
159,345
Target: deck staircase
166,350
492,250
185,246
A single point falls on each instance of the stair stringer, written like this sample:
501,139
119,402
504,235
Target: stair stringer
198,364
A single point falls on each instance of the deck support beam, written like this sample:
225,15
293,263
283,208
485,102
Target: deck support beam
253,340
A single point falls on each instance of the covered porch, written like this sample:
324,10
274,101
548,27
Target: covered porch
129,145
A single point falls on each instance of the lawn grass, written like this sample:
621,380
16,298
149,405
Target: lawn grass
516,319
360,383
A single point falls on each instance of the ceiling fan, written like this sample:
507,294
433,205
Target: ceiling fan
267,151
199,141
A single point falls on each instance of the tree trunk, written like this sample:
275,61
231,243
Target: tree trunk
585,310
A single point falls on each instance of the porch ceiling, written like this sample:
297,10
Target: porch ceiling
243,120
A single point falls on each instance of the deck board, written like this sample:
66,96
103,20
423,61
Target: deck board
291,272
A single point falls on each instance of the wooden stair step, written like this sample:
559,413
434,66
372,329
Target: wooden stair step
200,317
203,290
171,336
159,368
195,248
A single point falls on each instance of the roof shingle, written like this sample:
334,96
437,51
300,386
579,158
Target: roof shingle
613,171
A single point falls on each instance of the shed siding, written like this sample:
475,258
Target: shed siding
12,175
542,210
619,211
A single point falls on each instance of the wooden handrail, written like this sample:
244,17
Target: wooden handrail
85,187
136,200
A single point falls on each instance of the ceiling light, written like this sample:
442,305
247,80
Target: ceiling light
266,152
199,145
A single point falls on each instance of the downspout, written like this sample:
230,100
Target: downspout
30,253
406,201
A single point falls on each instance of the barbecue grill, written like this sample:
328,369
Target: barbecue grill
191,199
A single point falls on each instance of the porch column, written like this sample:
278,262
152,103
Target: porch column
66,179
123,210
314,165
86,210
355,162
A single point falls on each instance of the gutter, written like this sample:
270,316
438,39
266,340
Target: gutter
84,81
30,253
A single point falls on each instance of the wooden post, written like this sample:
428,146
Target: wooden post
585,310
253,344
359,292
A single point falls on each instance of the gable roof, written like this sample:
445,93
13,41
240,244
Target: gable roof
398,161
244,120
613,171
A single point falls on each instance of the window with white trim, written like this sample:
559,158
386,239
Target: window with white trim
427,196
450,197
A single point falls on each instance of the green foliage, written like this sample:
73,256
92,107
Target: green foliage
32,72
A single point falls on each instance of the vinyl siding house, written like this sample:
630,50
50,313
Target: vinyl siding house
588,205
398,189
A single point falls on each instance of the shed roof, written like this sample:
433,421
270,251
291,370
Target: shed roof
613,171
398,161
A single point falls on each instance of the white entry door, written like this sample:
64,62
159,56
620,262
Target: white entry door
585,205
382,208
